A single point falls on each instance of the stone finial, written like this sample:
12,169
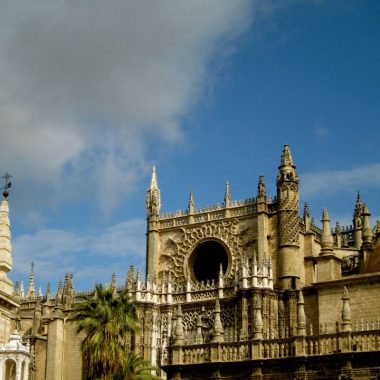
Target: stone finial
48,292
31,293
301,318
287,172
179,332
338,234
58,298
306,211
366,230
220,281
357,222
261,188
71,282
130,277
153,179
306,217
138,278
327,240
286,157
358,206
153,198
218,332
191,206
22,291
113,285
346,311
227,195
16,290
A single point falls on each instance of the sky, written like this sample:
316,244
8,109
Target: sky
93,93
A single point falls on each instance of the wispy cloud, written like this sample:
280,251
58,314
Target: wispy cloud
83,85
92,256
336,181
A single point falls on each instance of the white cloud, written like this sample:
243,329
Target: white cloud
92,256
336,181
83,84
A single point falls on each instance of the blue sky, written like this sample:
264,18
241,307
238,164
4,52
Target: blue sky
93,94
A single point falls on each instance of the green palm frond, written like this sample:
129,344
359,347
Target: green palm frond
107,319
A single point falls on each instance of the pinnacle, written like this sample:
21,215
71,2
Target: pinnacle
306,211
325,215
286,157
153,181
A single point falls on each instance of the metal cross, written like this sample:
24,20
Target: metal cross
32,265
6,178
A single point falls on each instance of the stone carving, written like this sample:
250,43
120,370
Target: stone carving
176,252
289,219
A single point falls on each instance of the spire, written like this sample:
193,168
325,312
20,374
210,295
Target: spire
358,206
31,293
179,333
153,198
286,157
153,180
227,195
191,206
218,332
287,169
367,232
357,222
6,263
327,240
16,291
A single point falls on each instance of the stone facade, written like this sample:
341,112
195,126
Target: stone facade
238,290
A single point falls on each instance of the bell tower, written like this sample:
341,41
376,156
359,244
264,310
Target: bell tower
290,259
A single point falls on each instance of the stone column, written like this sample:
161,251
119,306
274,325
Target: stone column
26,370
1,368
18,369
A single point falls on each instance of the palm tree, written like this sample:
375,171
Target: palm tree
108,319
136,368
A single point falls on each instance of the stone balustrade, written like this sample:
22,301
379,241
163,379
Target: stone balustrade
322,344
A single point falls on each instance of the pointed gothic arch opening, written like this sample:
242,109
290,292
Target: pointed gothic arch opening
206,259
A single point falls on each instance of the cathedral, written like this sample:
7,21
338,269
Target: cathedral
243,289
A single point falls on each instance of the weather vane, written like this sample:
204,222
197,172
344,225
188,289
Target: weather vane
7,184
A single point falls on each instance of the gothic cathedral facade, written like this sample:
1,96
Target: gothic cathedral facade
244,289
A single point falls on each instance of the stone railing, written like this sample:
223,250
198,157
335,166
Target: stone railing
323,344
209,213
